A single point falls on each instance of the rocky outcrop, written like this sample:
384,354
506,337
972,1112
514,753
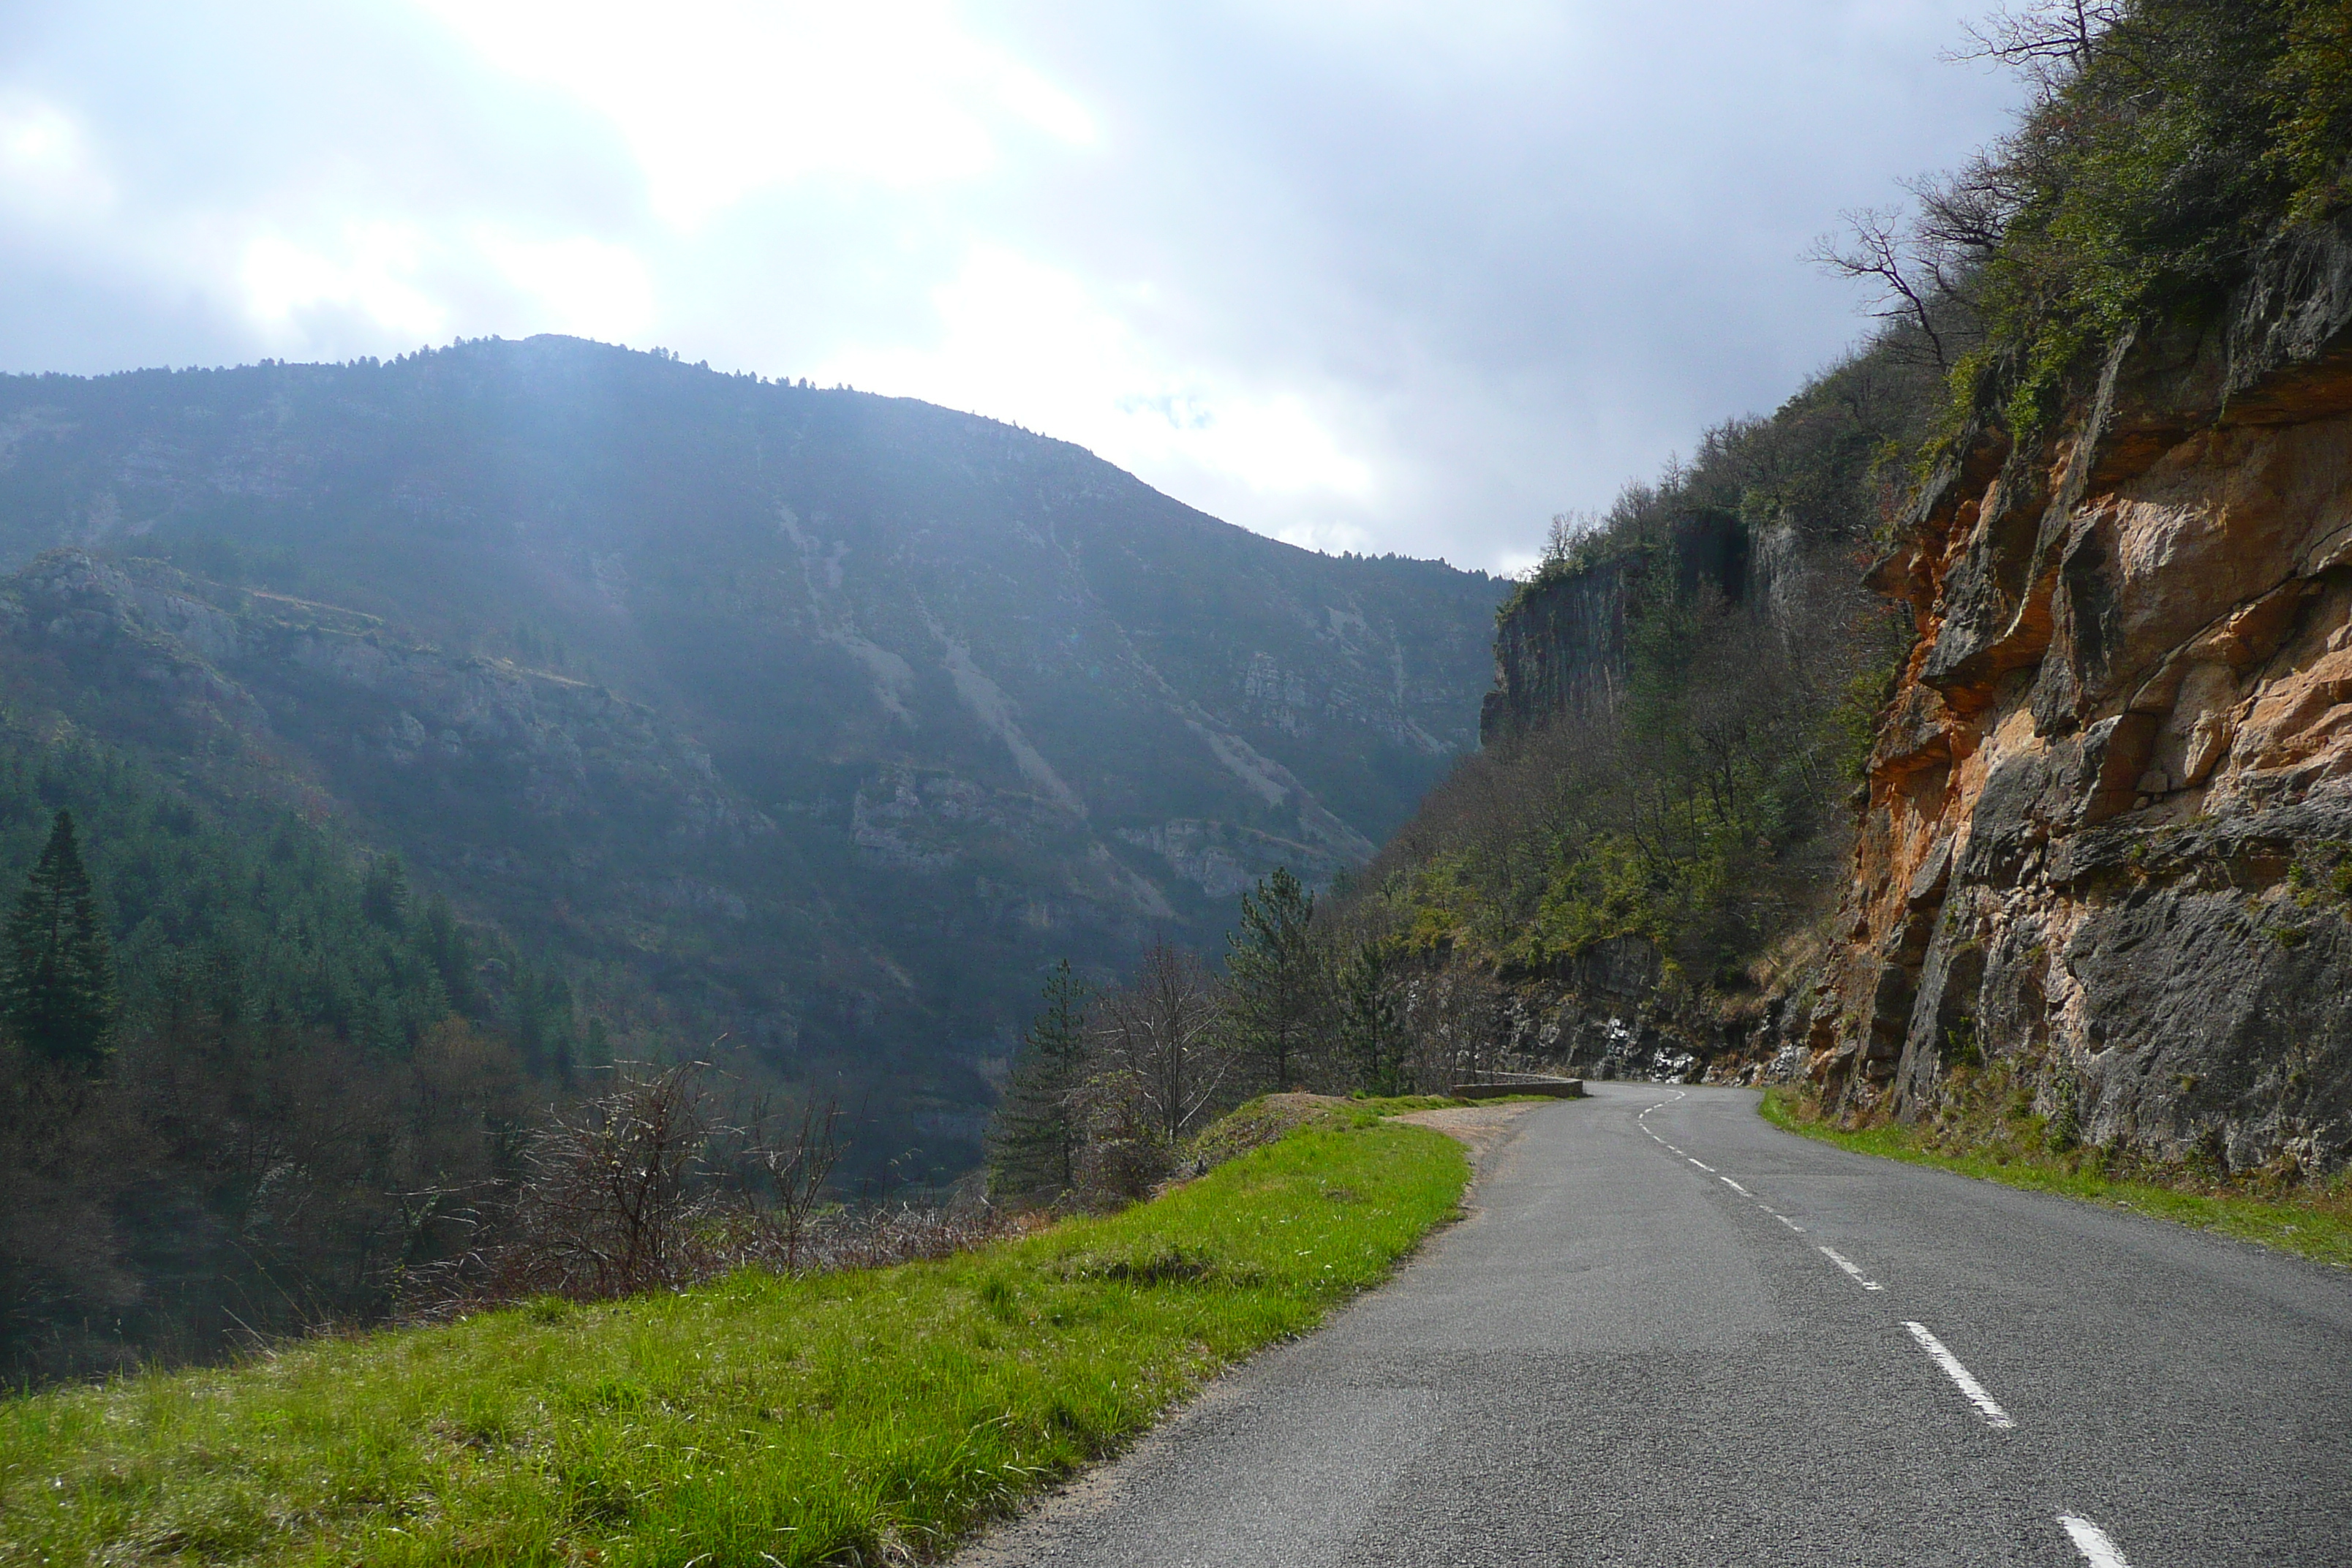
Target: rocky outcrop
1560,647
1610,1012
2109,834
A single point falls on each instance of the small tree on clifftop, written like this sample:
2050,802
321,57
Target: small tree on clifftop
57,994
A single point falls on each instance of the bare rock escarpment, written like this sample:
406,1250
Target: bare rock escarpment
1561,647
2109,824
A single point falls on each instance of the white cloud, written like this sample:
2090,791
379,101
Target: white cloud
1394,275
579,285
370,268
47,168
719,98
1027,342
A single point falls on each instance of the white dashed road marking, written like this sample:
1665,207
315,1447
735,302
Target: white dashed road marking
1987,1406
2092,1543
1864,1280
2097,1548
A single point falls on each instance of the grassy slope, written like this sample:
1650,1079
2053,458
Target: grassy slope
759,1420
2317,1223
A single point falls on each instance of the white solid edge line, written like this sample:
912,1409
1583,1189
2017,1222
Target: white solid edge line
2092,1543
1864,1280
1990,1409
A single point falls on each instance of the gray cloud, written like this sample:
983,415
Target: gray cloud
1363,275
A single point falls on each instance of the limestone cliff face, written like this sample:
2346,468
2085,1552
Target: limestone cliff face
2109,825
1561,645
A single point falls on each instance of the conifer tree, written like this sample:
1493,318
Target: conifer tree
383,896
1275,979
1033,1139
1372,1037
57,994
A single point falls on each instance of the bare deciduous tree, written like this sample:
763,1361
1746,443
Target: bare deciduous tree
608,1201
796,1170
2048,41
1157,1068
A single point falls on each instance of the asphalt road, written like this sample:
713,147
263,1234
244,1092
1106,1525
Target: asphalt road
1639,1349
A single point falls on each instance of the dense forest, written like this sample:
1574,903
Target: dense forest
299,1073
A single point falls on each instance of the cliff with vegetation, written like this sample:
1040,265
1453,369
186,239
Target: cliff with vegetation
1562,644
2101,862
2109,829
1618,881
2070,842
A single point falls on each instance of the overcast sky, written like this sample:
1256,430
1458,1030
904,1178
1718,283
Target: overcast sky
1362,274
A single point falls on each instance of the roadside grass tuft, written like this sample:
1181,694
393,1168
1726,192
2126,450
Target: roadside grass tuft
856,1417
2312,1220
1400,1104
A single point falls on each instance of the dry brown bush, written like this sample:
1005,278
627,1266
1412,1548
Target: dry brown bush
645,1187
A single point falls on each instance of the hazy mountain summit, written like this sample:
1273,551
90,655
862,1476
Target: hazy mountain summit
819,717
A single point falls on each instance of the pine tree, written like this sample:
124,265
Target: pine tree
1275,979
56,995
383,896
1372,1037
1033,1139
453,957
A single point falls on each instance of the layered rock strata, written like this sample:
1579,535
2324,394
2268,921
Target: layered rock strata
2109,825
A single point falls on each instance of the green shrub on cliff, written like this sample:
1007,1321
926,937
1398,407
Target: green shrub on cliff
2163,144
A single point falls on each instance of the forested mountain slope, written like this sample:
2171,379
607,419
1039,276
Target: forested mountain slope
815,719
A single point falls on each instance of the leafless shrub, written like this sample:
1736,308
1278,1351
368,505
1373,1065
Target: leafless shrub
882,1238
646,1187
608,1205
796,1174
1157,1070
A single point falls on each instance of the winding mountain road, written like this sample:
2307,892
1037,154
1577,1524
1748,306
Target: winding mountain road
1670,1334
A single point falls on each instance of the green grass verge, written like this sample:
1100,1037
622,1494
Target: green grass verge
757,1420
2314,1222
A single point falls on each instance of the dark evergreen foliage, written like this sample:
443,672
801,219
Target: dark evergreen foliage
57,993
1372,1041
1035,1137
1277,994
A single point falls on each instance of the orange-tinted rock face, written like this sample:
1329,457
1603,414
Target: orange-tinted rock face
2107,807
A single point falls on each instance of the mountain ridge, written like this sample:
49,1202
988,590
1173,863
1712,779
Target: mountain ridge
816,718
